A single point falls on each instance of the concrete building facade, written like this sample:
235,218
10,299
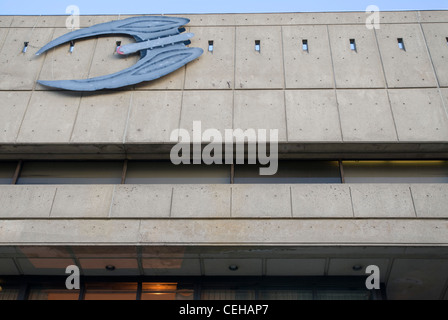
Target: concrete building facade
362,113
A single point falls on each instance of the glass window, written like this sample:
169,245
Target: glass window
71,172
8,293
153,172
334,294
395,171
7,170
165,291
111,291
291,172
227,294
52,293
281,294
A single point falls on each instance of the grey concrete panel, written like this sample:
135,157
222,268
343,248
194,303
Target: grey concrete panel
436,39
261,201
50,117
419,279
419,115
344,267
212,70
57,231
12,109
25,21
82,201
26,201
153,116
260,110
321,201
307,69
210,19
106,60
201,201
102,118
312,116
213,108
8,267
292,267
405,68
171,267
433,16
60,64
360,68
3,34
382,201
263,69
287,231
366,115
431,201
20,70
399,17
89,20
5,21
143,201
220,267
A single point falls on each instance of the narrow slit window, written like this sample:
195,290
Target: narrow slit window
25,47
257,45
446,41
72,46
118,43
353,44
305,45
401,44
210,46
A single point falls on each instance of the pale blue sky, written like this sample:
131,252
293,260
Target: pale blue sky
57,7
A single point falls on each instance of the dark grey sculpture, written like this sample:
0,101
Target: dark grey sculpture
160,42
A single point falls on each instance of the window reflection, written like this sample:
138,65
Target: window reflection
7,170
291,172
111,291
45,293
8,293
165,291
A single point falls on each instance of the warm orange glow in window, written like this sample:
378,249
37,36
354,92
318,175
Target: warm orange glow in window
159,286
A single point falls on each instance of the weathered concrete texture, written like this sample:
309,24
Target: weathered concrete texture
153,116
436,40
26,201
410,67
263,69
8,267
267,201
311,68
419,115
20,70
246,267
12,108
431,201
102,118
212,70
419,279
50,117
5,21
344,267
144,201
292,267
382,201
3,34
214,109
312,116
201,201
321,201
360,68
60,64
167,267
433,16
260,110
366,115
25,21
82,201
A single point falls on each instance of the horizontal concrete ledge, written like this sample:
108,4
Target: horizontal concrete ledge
225,232
297,149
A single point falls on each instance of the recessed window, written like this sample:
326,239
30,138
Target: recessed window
164,172
290,171
72,46
71,172
7,170
210,46
305,45
446,40
395,171
25,47
401,44
257,45
353,44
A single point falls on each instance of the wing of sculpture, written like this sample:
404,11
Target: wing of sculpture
161,44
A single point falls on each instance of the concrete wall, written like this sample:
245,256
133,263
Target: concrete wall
361,96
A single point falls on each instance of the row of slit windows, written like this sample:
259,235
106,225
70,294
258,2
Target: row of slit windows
164,172
211,45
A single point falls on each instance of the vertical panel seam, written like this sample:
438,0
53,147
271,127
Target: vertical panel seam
112,201
334,84
171,202
351,200
291,201
284,83
413,203
131,100
52,203
231,200
234,80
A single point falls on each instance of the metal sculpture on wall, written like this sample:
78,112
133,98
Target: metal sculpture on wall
160,40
